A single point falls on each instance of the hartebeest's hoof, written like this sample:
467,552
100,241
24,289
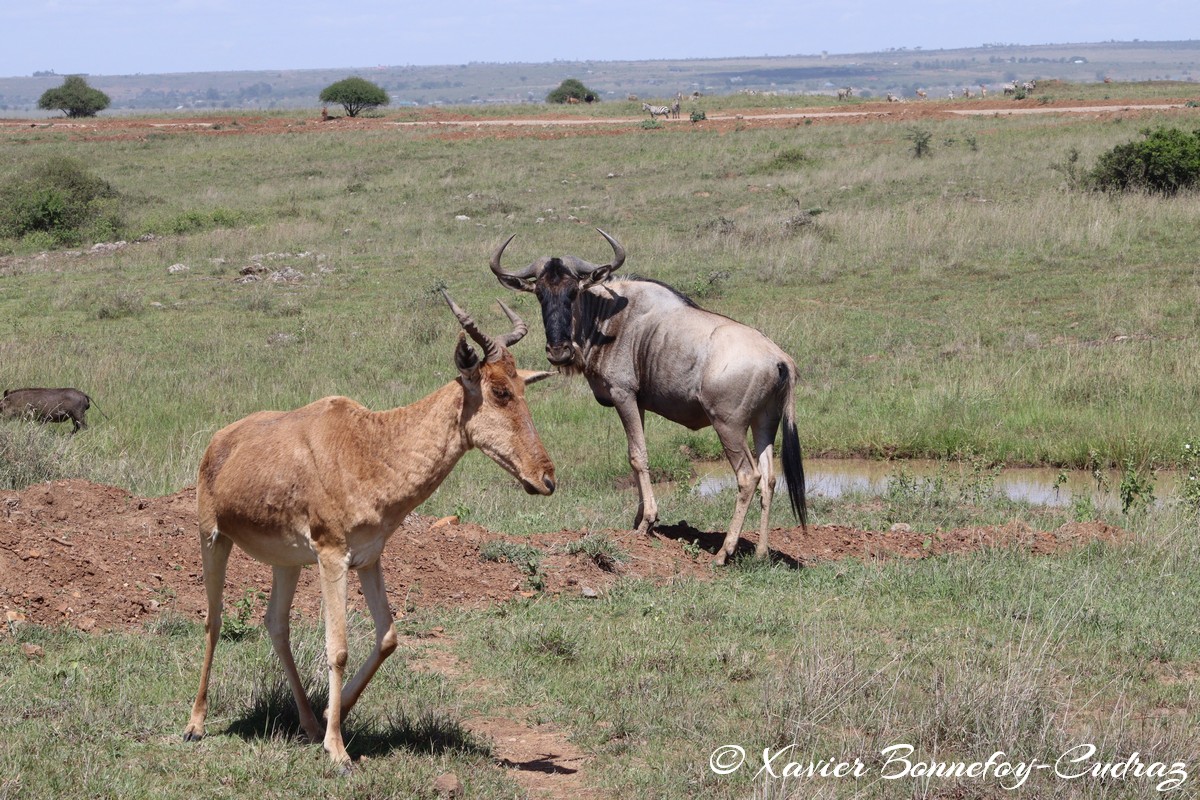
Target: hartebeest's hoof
191,736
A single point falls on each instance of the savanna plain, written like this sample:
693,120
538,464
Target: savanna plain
971,306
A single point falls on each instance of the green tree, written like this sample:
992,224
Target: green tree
75,98
355,95
571,89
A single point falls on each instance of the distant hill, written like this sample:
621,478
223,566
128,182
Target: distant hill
871,74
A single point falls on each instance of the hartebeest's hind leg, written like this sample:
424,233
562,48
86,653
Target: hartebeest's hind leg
214,552
283,590
371,578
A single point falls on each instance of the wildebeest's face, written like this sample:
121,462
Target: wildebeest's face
557,288
557,283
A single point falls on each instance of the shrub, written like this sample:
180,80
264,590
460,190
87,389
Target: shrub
60,197
1166,161
572,89
920,139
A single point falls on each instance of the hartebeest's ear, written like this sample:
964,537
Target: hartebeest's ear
466,359
532,376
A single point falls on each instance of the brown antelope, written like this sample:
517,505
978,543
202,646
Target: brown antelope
330,482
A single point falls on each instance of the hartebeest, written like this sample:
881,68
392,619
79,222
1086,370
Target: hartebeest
645,347
330,482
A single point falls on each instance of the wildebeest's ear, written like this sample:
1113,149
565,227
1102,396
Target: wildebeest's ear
598,275
517,283
530,376
466,359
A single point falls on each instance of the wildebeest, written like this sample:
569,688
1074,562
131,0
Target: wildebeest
47,405
330,482
643,346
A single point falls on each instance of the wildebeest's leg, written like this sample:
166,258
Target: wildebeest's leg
283,589
371,578
733,439
763,430
214,553
633,420
333,566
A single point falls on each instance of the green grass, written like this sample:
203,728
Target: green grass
959,657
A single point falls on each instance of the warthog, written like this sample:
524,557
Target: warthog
47,405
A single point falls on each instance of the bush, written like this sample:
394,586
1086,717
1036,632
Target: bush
1166,161
572,89
355,95
75,98
59,197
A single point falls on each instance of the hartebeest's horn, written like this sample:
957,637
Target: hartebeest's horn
491,350
519,327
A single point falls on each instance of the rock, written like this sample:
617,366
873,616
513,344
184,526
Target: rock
448,785
32,651
901,527
589,593
175,269
445,522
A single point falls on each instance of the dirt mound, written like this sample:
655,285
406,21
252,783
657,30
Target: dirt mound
97,557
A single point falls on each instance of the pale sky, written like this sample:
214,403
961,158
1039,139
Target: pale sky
119,37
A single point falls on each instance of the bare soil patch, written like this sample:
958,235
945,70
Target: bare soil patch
452,124
97,557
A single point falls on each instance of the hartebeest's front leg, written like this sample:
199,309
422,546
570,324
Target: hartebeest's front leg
333,567
283,590
633,420
371,578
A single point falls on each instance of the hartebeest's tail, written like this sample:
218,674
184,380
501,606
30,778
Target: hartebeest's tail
793,466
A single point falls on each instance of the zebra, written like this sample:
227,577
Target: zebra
656,111
845,93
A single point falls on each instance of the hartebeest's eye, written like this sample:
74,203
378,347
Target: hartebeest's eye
501,393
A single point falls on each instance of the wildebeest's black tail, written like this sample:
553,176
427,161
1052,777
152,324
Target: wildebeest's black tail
793,466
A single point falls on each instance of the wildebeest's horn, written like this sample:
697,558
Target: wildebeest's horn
618,251
491,350
519,327
583,269
528,272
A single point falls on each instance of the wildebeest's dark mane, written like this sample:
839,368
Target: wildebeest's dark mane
631,277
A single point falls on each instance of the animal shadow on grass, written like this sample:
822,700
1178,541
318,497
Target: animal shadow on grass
711,541
544,764
272,714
